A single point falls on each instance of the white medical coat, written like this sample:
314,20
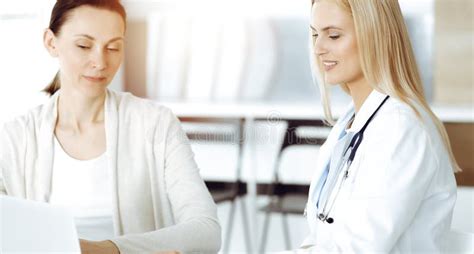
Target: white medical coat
400,191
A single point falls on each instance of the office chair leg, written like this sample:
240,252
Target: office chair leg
286,230
230,222
245,221
266,224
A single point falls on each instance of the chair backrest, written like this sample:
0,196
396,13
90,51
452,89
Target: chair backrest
293,138
221,135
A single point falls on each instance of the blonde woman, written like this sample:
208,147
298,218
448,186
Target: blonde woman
120,163
385,181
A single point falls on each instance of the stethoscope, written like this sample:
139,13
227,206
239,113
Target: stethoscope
347,159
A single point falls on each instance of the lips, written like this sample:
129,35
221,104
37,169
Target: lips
328,65
95,79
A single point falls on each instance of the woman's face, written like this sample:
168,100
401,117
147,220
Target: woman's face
89,47
335,43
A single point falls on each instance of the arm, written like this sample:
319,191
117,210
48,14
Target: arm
3,155
3,191
106,247
197,228
12,156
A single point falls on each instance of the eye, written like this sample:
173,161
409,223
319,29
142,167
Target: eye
334,37
113,49
315,36
83,47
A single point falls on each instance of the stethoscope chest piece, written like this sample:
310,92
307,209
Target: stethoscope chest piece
322,217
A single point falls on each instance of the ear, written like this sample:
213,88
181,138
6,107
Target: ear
49,41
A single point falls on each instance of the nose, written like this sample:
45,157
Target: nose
99,60
319,47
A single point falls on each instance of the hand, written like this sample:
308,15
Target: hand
103,247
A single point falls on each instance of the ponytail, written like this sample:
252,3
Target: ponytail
54,86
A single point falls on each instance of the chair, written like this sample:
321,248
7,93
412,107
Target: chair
288,199
227,191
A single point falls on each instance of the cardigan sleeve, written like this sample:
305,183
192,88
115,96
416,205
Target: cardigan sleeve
12,142
196,228
3,190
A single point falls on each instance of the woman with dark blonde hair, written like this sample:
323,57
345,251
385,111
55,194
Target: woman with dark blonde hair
121,164
384,181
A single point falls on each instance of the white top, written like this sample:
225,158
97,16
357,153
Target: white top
84,187
400,190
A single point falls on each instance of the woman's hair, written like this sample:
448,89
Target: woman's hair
60,14
386,57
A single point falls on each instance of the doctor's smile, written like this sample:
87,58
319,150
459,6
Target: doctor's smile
328,65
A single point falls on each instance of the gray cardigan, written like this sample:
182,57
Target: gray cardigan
160,200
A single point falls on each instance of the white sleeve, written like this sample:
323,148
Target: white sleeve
3,157
3,191
12,155
197,228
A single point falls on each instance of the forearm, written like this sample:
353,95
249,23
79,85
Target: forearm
198,236
107,247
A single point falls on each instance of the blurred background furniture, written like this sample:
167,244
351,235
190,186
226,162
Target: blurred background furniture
284,199
230,191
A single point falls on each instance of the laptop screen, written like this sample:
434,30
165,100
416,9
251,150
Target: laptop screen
35,227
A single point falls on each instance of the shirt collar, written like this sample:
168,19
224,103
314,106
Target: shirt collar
369,106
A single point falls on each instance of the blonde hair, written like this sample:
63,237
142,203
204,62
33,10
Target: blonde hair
387,59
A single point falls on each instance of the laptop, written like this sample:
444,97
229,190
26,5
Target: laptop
36,227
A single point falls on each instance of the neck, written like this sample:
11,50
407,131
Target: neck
76,110
359,91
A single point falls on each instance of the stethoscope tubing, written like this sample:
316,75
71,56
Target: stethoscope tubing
348,157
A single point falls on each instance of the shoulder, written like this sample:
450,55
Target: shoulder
12,132
159,123
398,126
396,116
144,114
130,105
17,133
22,123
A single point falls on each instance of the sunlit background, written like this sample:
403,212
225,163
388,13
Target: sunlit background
247,61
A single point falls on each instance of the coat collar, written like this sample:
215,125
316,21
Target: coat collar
369,106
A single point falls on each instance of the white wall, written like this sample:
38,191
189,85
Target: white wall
25,66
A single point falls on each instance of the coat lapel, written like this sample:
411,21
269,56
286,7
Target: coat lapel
111,136
325,156
42,176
